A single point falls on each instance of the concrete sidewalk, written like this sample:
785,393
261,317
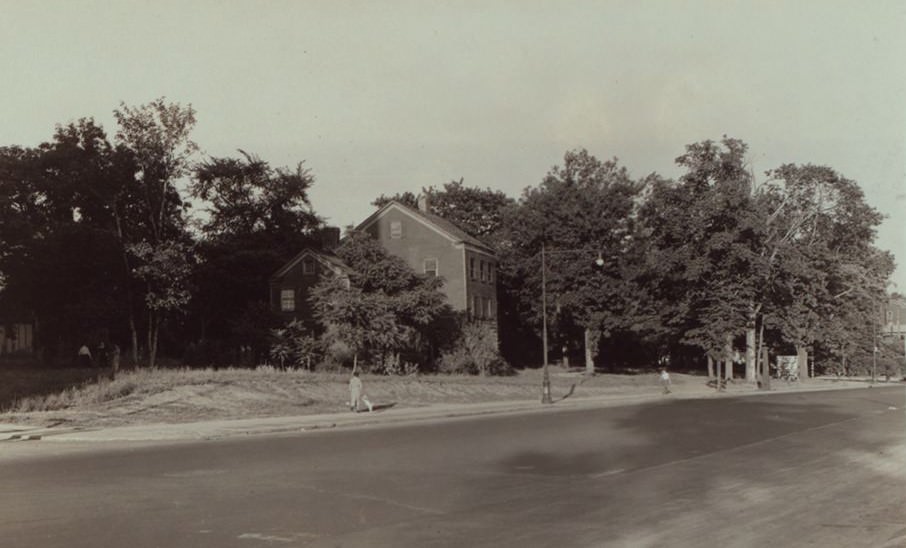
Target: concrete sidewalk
219,429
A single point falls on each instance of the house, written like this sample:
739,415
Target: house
17,337
291,286
893,320
434,246
429,244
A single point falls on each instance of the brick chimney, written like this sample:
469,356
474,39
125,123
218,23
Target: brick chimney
329,237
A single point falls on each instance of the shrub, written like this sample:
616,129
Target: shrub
296,345
475,352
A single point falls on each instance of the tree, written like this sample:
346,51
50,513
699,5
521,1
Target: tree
64,209
580,212
702,231
258,217
386,309
157,136
817,227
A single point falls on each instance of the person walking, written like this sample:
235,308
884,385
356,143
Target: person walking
357,394
665,380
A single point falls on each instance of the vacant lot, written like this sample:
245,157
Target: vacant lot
79,397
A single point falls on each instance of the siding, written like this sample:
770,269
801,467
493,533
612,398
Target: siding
418,242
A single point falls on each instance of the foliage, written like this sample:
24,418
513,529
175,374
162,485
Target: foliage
157,137
475,353
296,345
581,211
63,207
701,231
386,309
258,217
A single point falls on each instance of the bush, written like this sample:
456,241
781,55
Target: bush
475,353
295,345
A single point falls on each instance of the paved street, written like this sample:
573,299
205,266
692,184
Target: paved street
821,468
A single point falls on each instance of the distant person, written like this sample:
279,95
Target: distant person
84,356
357,394
665,380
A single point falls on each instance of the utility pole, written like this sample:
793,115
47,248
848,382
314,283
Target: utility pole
546,380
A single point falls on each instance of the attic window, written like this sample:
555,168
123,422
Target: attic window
396,230
431,267
308,265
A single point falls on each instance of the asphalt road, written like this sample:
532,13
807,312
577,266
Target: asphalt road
807,469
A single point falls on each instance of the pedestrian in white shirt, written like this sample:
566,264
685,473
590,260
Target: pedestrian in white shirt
665,380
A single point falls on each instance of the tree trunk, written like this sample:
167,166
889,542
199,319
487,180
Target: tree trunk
133,331
801,362
589,355
710,367
719,378
751,365
765,369
728,357
153,329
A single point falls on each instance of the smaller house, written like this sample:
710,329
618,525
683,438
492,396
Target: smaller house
290,287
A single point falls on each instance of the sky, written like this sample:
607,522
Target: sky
392,96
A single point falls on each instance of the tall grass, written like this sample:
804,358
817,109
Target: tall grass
141,382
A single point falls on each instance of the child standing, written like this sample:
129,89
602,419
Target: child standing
357,394
665,380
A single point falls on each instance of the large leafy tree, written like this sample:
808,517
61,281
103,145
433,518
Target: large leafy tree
258,217
582,211
702,231
827,278
385,310
65,214
157,135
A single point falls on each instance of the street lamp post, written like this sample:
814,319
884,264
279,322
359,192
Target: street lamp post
546,379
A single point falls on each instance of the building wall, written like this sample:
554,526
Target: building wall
418,242
301,284
16,338
481,284
893,320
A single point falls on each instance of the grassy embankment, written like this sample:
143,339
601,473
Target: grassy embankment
82,397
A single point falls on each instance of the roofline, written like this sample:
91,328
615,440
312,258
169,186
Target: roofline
318,255
416,214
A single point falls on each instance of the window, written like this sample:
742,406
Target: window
308,265
490,311
431,267
490,273
396,230
287,300
477,306
481,267
472,268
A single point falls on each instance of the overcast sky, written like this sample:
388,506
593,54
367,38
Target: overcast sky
387,96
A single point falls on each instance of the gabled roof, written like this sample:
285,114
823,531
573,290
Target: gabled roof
445,227
331,261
